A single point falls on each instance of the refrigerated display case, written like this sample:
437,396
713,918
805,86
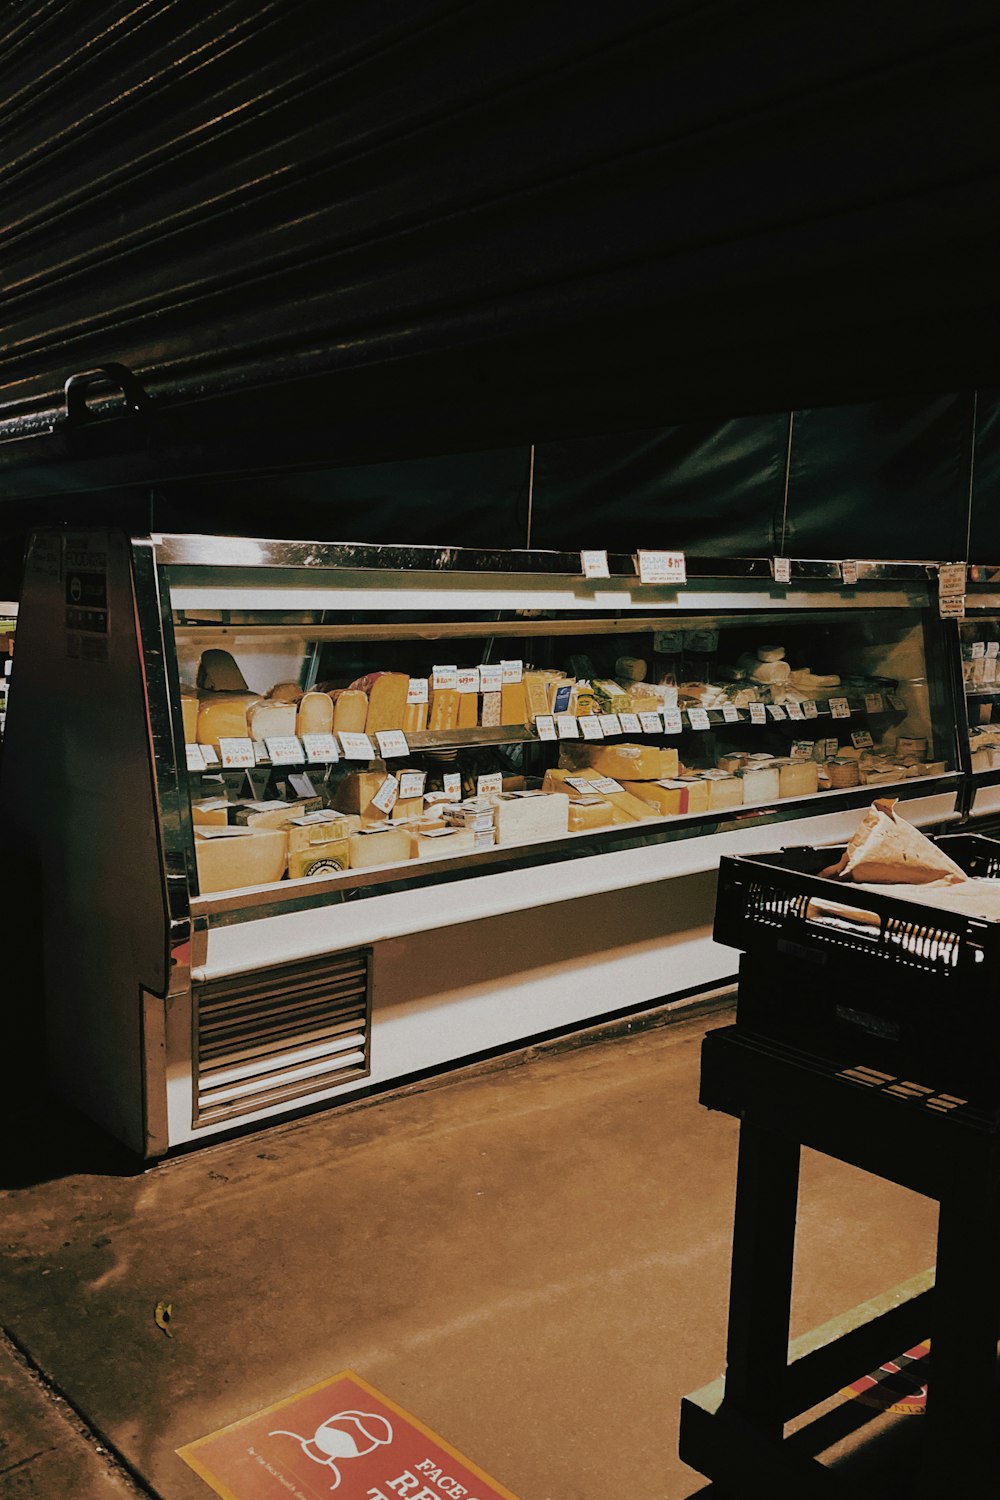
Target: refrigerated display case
332,816
8,628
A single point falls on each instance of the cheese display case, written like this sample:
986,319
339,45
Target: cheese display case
979,646
333,816
8,628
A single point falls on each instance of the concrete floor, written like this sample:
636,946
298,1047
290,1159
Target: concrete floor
529,1255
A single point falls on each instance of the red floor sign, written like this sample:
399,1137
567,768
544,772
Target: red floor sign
340,1437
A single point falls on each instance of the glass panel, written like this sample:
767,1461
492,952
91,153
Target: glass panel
980,639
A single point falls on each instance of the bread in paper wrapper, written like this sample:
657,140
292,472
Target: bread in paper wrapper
886,850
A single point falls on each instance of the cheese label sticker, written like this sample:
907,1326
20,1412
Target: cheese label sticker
610,723
512,671
849,573
840,708
861,739
758,714
782,569
810,708
285,750
468,680
320,747
776,711
978,650
651,723
594,565
195,758
545,726
672,722
411,784
445,679
606,785
662,567
451,784
491,677
794,709
951,580
630,723
698,718
357,747
802,750
418,690
952,606
392,742
237,753
590,727
568,726
730,713
490,784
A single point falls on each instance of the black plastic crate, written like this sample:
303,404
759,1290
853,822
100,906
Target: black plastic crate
901,987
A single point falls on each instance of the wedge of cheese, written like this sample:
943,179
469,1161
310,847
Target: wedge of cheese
231,859
350,711
382,846
444,710
628,807
513,703
218,673
798,778
224,717
266,718
407,808
468,710
387,702
319,844
210,812
523,817
415,718
315,714
676,797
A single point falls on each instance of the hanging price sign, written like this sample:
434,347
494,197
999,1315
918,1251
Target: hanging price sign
662,567
594,564
776,711
730,713
698,718
840,708
758,714
320,747
392,742
236,754
357,747
651,723
810,708
610,724
545,726
285,750
568,726
590,727
630,723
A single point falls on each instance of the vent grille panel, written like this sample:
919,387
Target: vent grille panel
279,1034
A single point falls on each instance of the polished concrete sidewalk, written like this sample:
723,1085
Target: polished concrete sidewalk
530,1255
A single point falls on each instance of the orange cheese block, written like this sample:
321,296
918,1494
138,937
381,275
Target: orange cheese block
444,709
468,710
513,703
350,712
387,702
414,718
315,714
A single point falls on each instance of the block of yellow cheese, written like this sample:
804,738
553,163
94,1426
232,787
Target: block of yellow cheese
267,718
468,710
382,846
415,718
442,843
210,812
626,762
797,778
224,717
536,694
355,793
319,844
513,703
315,714
590,812
628,807
387,702
667,797
407,808
724,791
350,711
444,710
189,715
233,858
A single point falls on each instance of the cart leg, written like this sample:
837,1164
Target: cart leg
962,1416
760,1292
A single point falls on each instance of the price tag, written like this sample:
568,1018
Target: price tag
320,747
491,677
609,723
730,713
411,784
630,723
545,724
468,680
301,785
451,785
590,727
776,711
285,750
210,755
445,679
594,564
781,567
794,710
802,750
810,708
568,726
978,650
651,723
386,797
392,742
849,573
698,718
952,606
418,690
357,747
840,708
581,784
951,580
606,785
874,703
672,721
992,648
861,739
512,671
236,754
662,567
897,703
758,713
195,757
259,753
490,784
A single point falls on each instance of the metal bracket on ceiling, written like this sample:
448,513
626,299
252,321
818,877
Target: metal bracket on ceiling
79,386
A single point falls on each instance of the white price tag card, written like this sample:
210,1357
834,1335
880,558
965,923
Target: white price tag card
776,711
849,573
840,708
993,648
698,718
392,742
357,747
594,564
978,650
210,755
468,680
451,784
445,679
418,690
512,671
810,708
610,724
259,753
730,713
491,677
236,754
568,726
874,703
861,739
830,748
651,723
897,703
794,709
581,784
606,785
386,796
672,721
490,784
545,725
285,750
320,747
630,723
590,727
782,569
411,784
952,606
662,567
802,750
195,757
951,580
758,713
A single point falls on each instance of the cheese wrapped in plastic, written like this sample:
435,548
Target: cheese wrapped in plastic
886,850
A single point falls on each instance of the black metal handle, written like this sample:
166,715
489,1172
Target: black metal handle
78,386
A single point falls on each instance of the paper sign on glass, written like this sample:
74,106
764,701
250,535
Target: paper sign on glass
782,569
445,678
698,718
418,690
730,713
849,573
512,671
195,758
651,723
672,721
840,708
810,708
491,677
758,714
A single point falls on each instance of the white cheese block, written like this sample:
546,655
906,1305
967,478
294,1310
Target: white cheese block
443,843
534,815
380,846
798,778
269,718
233,858
761,783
